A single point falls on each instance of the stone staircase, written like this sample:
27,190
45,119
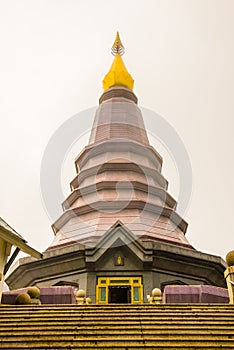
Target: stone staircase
194,326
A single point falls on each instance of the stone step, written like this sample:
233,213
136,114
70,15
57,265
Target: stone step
80,333
118,317
127,325
103,310
106,310
121,306
93,312
100,320
123,344
117,327
117,337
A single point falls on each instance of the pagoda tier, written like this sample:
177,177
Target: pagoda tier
119,178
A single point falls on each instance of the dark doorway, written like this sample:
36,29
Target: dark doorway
120,295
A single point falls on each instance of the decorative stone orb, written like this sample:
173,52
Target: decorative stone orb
80,293
88,300
23,299
156,292
230,258
34,292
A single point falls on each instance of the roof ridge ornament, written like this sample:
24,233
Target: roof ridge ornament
117,47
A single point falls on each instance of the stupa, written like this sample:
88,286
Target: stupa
119,234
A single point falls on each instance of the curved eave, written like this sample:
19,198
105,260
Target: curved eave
114,205
19,242
104,146
111,185
120,167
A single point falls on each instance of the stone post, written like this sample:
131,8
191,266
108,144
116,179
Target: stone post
80,297
156,297
229,275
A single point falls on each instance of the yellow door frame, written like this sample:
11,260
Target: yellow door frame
103,284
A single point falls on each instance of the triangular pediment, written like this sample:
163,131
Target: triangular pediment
116,237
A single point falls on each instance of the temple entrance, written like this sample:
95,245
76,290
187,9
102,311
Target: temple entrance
119,290
119,295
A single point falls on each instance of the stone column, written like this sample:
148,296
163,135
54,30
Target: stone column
229,275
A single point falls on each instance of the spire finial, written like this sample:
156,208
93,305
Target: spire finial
118,74
117,47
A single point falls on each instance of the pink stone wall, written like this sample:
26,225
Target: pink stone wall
49,295
174,294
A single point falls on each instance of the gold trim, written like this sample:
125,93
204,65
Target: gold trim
103,284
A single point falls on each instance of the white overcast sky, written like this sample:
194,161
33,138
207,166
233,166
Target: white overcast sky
54,55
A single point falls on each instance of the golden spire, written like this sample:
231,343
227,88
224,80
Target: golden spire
118,74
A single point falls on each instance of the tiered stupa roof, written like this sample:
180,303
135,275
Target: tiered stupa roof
119,174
